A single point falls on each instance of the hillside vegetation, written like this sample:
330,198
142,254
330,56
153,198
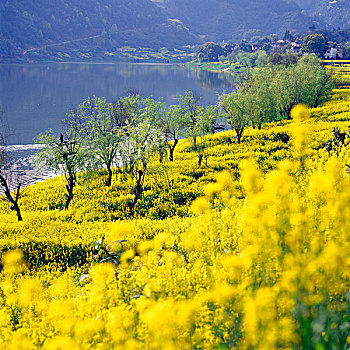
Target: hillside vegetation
34,30
226,20
334,13
250,250
60,29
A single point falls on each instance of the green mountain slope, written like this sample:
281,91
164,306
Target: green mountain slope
32,30
96,24
235,19
334,13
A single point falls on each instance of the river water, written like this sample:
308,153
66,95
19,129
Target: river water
35,97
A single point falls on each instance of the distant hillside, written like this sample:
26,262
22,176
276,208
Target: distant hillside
39,29
95,24
333,13
236,19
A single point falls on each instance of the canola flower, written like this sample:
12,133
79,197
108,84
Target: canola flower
257,257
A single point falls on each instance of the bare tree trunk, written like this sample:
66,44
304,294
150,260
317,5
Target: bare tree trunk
71,182
172,148
109,178
13,201
162,152
239,132
138,190
200,158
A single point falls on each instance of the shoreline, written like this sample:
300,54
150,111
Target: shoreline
23,168
90,62
22,147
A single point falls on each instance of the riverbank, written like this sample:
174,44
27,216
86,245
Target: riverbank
219,66
122,54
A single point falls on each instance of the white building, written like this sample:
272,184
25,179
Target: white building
334,53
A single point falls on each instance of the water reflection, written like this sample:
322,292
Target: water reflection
215,81
36,97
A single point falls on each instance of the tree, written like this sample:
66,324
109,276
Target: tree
191,120
285,59
315,83
140,145
64,154
263,95
286,88
173,129
314,43
5,175
155,113
347,52
9,177
237,107
189,110
205,126
100,126
262,59
287,36
209,52
184,117
306,82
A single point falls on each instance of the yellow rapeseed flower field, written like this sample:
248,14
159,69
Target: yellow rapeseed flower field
249,251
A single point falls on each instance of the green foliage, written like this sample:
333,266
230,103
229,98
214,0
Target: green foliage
236,20
209,52
195,121
249,59
96,123
270,93
95,29
286,59
316,83
323,325
314,43
335,13
32,29
262,89
347,52
65,154
237,108
307,82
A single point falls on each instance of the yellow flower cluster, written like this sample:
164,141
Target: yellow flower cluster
253,251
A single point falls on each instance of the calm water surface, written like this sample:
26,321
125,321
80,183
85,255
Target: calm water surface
36,97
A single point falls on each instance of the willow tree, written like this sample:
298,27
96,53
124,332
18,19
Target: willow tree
205,127
260,91
143,138
237,109
155,114
101,131
64,154
189,111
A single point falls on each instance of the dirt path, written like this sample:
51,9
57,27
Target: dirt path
61,43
